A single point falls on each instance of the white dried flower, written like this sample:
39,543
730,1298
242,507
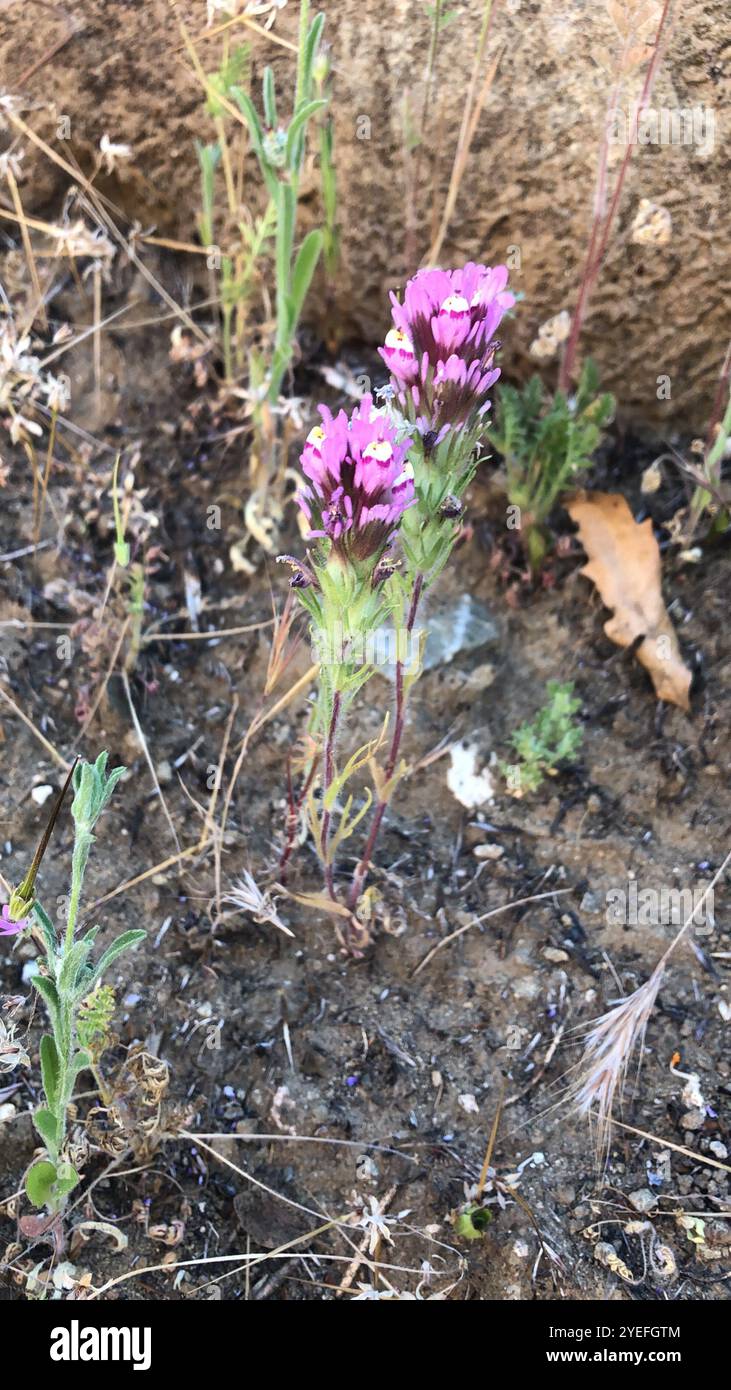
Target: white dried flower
79,240
247,896
376,1223
12,1053
550,336
57,392
21,428
112,153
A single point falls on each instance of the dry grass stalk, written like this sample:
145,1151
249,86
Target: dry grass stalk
608,1049
613,1038
474,103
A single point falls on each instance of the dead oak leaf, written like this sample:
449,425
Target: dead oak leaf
624,564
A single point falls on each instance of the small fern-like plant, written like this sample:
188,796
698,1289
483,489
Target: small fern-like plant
552,738
545,443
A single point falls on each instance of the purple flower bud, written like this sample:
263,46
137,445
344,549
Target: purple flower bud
384,569
302,576
451,508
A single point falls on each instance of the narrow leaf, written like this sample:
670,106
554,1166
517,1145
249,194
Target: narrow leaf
49,1068
304,269
297,125
122,943
47,1126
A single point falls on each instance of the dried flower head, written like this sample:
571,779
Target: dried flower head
608,1049
551,335
360,483
112,153
247,896
652,225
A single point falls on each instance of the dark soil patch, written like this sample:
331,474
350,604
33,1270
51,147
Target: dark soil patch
378,1056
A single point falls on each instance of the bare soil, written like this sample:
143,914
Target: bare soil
267,1035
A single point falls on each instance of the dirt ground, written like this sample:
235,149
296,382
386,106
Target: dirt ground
261,1034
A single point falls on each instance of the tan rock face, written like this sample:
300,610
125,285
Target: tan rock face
661,307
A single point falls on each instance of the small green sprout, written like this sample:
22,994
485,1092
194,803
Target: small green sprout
551,739
545,443
472,1221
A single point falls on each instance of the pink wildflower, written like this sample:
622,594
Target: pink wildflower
360,481
440,351
7,926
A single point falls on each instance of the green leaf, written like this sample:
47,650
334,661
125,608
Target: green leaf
39,1183
79,1062
299,121
472,1221
49,934
47,1126
67,1179
50,1070
248,110
311,46
92,790
270,99
74,960
286,213
304,269
122,943
48,990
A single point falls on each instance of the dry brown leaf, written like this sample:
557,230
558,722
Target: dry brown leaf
624,564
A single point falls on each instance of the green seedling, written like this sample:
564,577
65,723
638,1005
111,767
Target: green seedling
546,442
551,739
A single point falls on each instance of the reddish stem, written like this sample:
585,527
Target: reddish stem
293,816
329,773
601,231
393,752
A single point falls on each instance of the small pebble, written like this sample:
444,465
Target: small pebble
693,1119
41,794
643,1200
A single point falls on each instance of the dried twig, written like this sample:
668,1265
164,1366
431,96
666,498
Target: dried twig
495,912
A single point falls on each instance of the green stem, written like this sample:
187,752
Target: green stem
79,861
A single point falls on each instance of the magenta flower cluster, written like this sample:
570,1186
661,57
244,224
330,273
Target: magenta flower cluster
440,350
360,482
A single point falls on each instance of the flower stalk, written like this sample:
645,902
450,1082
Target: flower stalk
383,502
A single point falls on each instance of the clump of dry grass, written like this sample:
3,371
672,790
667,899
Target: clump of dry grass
609,1046
614,1038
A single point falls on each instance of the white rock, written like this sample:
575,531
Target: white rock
472,788
41,794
